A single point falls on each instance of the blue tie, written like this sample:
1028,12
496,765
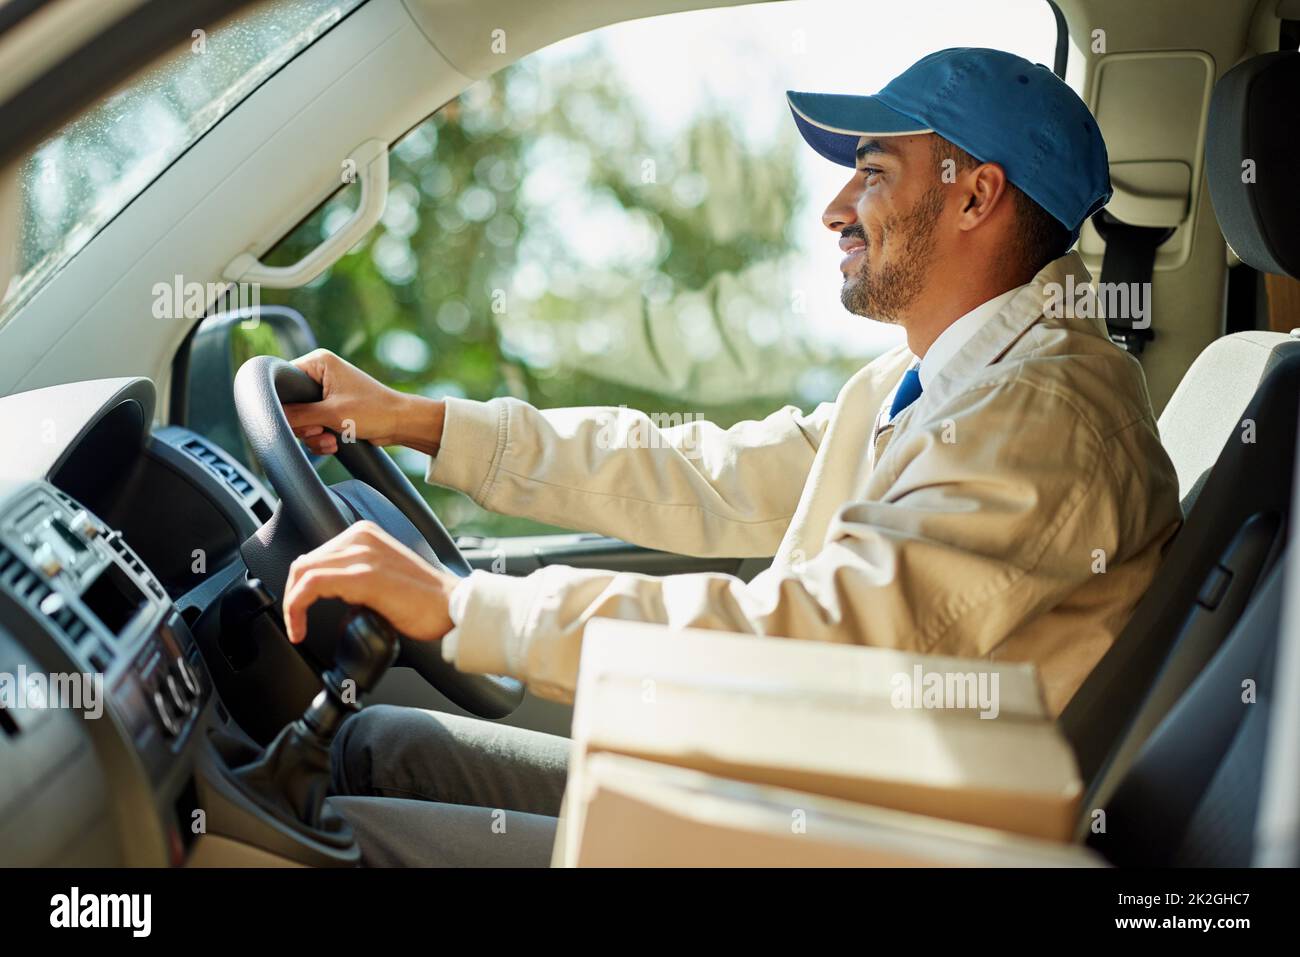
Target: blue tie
909,390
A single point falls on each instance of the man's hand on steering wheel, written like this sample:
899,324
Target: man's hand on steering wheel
364,565
381,415
359,565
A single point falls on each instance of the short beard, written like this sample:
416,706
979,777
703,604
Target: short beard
886,294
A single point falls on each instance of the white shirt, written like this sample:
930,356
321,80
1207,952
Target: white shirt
952,339
945,348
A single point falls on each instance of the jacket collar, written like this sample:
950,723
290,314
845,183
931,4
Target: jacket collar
1055,285
952,340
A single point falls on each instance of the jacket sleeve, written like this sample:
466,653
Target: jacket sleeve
972,539
683,486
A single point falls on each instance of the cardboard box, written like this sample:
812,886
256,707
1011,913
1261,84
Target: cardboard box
869,725
634,813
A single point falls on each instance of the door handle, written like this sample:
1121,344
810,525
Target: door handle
371,159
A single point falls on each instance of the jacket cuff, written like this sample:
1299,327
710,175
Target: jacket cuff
473,438
492,614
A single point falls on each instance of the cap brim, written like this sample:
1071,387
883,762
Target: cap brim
832,123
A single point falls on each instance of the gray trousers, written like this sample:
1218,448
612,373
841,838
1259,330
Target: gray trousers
427,789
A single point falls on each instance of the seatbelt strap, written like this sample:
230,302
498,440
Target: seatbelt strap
1129,261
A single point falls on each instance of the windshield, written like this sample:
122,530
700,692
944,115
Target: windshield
73,184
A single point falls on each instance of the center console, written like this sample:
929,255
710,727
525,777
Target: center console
145,735
109,614
116,651
103,639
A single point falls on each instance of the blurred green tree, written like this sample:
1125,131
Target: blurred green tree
538,242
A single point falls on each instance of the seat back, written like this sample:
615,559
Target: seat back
1231,536
1230,429
1190,796
1208,409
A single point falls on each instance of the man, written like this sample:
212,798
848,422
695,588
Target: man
995,488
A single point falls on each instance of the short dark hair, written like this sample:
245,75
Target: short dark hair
1042,236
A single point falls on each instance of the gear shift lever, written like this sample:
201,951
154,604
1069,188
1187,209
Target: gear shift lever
291,778
368,648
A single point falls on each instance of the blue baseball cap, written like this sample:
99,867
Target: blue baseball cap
996,106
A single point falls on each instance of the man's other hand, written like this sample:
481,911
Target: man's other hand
364,565
357,406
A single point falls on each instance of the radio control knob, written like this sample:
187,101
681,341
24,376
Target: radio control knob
170,726
188,677
178,698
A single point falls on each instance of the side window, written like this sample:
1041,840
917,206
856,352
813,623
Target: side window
629,218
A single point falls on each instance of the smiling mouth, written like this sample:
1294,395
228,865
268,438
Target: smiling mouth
853,243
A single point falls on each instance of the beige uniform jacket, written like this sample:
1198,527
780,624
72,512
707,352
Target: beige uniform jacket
1017,510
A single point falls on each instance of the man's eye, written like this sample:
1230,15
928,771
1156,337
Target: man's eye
870,171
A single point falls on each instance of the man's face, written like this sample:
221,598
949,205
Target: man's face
886,216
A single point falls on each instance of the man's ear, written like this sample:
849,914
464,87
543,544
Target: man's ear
984,190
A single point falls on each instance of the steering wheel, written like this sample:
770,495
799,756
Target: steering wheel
318,514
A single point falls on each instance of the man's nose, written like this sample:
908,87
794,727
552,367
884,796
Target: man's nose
843,209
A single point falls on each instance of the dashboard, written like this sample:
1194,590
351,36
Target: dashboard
121,586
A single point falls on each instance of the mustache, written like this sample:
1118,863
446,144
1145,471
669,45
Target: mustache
856,231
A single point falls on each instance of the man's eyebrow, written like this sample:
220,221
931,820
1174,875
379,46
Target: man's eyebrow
872,146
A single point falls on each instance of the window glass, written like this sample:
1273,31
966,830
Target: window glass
77,181
630,218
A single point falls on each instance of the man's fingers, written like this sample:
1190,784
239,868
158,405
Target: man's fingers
325,444
347,582
332,554
322,413
345,567
318,439
314,363
302,415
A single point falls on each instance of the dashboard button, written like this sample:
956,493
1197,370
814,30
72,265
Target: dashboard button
47,560
52,604
84,525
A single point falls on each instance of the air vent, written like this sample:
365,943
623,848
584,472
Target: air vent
219,467
66,499
137,567
32,591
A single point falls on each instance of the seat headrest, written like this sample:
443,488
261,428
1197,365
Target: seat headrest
1252,118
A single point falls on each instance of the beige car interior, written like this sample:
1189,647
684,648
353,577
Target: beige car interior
1185,92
